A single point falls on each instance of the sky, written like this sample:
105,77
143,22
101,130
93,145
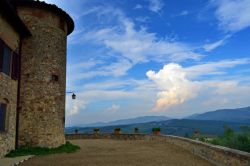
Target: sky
173,58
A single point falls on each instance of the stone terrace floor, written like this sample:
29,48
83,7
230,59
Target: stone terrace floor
101,152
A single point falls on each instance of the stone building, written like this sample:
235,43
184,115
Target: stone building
33,39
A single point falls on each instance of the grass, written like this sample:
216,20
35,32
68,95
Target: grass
28,150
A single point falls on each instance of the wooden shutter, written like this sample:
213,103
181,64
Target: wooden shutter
1,55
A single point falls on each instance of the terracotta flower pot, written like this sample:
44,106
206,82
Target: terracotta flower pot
156,132
117,131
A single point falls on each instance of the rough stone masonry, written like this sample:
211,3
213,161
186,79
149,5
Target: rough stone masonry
43,74
35,112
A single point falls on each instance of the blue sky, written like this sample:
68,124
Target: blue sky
156,57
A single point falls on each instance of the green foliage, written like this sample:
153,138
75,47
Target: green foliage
240,141
245,129
156,129
228,132
202,139
28,150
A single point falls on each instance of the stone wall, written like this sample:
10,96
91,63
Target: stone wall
42,97
8,91
8,95
106,136
219,156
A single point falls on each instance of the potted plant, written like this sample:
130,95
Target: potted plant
136,130
156,131
96,131
196,133
76,131
117,131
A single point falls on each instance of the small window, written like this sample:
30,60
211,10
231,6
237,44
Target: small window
2,116
63,120
55,78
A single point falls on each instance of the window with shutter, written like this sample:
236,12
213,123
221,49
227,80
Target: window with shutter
6,60
9,61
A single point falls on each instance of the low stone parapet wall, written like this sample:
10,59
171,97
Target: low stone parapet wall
106,136
217,155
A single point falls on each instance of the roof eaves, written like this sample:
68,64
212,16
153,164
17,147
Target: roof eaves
10,14
66,16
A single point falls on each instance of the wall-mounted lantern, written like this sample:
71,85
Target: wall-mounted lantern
73,95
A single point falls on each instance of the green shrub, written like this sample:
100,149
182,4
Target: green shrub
240,141
28,150
202,138
156,129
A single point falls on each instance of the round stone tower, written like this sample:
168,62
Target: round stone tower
43,73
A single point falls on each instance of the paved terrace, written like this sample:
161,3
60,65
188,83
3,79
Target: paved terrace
109,152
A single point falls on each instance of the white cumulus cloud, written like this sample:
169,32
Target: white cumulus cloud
177,84
175,88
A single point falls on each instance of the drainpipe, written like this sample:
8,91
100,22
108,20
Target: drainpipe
18,93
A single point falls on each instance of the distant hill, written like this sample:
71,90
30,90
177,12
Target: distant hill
210,123
142,119
183,127
241,115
